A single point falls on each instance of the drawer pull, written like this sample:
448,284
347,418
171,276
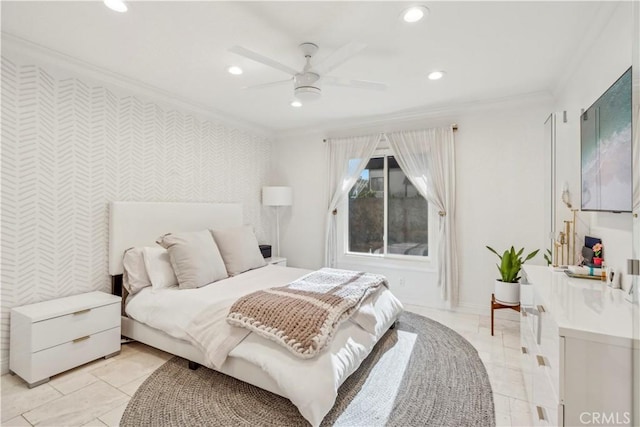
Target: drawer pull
524,350
82,311
540,360
541,309
81,339
540,412
524,312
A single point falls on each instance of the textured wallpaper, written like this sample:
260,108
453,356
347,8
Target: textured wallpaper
69,148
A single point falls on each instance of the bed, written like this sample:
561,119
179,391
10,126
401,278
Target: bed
160,318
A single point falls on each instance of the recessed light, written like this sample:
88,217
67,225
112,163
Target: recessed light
295,103
235,70
415,13
436,75
117,5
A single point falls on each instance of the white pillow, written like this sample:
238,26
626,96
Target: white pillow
134,275
239,248
161,275
195,258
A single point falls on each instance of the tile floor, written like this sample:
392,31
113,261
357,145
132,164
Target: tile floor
97,393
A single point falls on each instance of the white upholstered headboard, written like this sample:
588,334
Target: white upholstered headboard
141,223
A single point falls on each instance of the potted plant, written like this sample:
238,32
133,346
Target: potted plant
597,250
507,288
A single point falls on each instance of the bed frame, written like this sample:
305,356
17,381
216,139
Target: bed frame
140,224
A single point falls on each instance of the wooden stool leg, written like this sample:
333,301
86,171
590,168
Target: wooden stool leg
491,318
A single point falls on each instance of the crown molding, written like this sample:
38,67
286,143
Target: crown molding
17,47
596,26
439,115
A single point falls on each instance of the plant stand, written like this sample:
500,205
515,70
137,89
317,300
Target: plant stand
497,306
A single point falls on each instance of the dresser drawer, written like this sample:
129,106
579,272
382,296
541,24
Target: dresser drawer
54,360
549,346
528,320
59,330
527,350
545,415
543,391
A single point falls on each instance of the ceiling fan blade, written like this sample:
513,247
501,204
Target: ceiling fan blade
358,84
339,57
239,50
264,85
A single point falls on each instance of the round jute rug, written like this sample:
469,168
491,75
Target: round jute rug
420,374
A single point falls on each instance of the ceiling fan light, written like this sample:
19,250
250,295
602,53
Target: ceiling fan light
117,5
414,14
295,103
436,75
307,93
235,70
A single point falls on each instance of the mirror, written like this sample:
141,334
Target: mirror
568,225
636,201
550,182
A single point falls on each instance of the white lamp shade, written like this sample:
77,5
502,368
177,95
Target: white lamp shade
277,196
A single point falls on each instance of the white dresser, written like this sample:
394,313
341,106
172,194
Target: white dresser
577,348
53,336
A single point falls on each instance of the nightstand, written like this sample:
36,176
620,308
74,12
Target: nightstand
276,260
54,336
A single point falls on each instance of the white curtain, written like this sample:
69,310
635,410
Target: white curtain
427,158
347,158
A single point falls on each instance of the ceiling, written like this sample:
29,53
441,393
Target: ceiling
489,50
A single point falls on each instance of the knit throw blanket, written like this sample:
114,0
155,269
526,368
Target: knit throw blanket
304,315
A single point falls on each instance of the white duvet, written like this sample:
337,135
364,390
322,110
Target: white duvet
312,384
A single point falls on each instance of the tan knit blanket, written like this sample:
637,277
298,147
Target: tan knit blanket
304,315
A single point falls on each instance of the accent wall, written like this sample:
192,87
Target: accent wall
70,147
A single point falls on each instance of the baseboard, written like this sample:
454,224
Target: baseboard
481,309
485,310
478,309
461,308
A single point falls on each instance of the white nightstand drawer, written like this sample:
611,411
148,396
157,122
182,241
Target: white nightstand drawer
281,261
59,330
52,336
54,360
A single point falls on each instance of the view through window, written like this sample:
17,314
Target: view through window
406,215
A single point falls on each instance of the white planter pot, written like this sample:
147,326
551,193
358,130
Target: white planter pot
507,293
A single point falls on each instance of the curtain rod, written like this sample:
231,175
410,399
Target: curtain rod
454,126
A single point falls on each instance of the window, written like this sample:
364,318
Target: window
387,215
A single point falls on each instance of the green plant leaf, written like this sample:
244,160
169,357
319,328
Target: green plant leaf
494,251
511,263
531,255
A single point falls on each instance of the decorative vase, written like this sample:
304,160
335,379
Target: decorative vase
597,261
507,293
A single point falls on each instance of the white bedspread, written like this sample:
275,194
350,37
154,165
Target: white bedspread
312,385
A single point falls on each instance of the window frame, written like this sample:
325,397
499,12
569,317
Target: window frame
343,228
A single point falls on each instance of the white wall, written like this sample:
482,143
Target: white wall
68,148
500,193
300,162
606,59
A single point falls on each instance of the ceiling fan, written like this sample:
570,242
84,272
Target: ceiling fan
307,84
